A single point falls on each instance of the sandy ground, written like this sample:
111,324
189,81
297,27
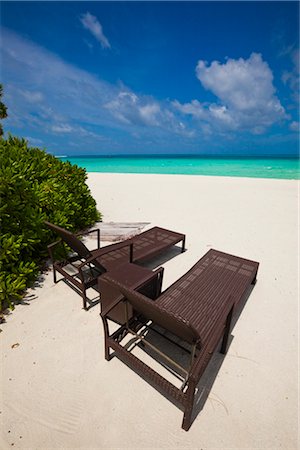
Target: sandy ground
57,390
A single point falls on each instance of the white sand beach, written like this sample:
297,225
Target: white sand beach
58,391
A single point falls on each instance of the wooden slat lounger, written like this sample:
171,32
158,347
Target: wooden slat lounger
197,308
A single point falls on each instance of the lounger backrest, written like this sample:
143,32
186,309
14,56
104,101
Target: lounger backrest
147,307
71,240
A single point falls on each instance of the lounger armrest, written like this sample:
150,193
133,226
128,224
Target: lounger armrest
84,264
209,346
94,230
105,250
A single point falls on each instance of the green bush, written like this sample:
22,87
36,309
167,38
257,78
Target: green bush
35,186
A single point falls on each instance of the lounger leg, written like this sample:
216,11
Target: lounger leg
84,300
106,334
253,282
227,331
183,245
159,283
187,416
54,276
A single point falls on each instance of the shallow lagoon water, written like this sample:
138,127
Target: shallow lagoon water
283,168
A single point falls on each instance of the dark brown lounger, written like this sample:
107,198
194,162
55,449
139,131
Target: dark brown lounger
196,309
153,242
81,269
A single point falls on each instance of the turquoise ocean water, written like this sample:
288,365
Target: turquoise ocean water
284,168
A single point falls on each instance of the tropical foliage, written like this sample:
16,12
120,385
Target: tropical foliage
35,186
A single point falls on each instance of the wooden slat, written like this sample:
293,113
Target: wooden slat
119,231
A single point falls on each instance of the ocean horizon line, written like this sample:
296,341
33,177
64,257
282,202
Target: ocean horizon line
173,155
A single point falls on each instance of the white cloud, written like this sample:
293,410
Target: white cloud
222,114
141,110
92,24
62,128
291,77
194,108
44,92
294,126
32,96
123,106
245,92
240,84
150,113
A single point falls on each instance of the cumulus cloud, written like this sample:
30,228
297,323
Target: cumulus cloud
246,98
194,108
241,84
123,106
144,111
92,24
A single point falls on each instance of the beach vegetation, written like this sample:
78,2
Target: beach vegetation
35,186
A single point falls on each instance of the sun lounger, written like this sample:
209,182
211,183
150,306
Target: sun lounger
153,242
82,268
197,309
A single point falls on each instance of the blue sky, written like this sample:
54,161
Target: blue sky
152,77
